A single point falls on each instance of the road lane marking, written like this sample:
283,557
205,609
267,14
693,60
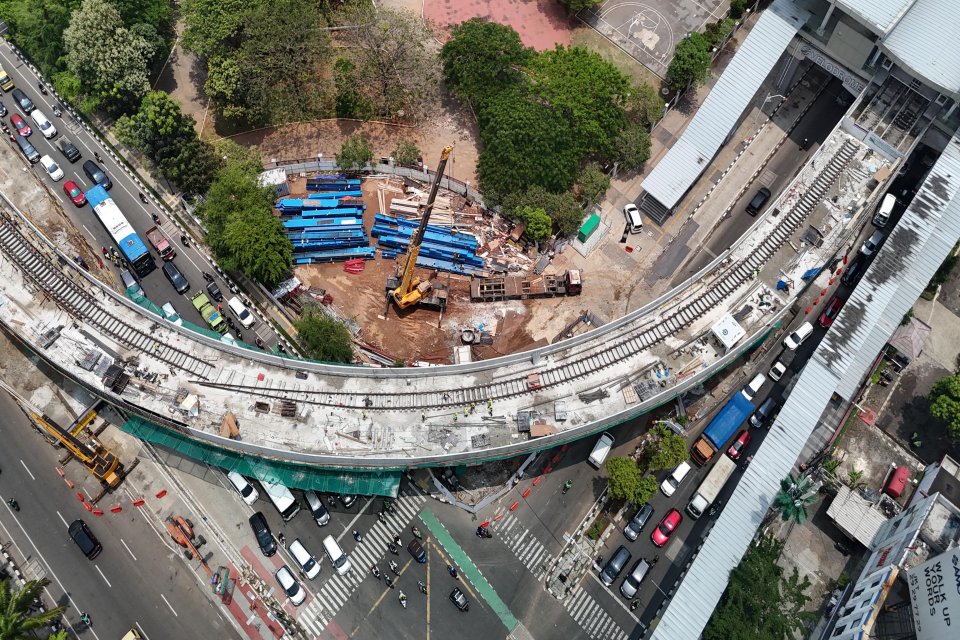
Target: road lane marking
469,569
62,519
349,527
128,549
27,469
168,604
104,577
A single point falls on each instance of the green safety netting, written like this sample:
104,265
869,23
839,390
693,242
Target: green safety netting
292,475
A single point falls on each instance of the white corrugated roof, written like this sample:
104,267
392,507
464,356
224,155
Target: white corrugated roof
926,41
920,242
879,15
679,169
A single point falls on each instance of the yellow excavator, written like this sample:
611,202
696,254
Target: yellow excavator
407,290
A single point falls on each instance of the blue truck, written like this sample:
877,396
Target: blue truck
721,428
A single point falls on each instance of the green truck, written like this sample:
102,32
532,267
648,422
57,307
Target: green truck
209,312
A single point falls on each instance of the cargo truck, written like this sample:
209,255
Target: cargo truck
721,429
159,242
710,488
209,312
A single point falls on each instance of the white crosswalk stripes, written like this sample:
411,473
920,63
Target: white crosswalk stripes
371,550
592,618
524,545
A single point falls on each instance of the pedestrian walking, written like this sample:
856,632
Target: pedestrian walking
282,538
220,308
105,252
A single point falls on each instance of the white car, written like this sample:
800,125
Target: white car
52,168
290,586
244,488
777,371
309,564
46,127
171,314
632,214
241,312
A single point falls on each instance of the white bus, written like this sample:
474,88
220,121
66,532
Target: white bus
282,499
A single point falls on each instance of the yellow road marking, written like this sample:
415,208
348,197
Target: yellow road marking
463,580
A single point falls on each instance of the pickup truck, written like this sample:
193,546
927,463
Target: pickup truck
209,312
159,242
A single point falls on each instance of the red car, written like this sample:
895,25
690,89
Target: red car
20,125
743,439
73,192
833,308
661,535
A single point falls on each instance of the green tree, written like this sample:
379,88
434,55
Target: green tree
945,403
666,451
396,66
355,153
761,601
538,222
482,59
716,32
350,101
644,106
323,337
794,496
587,90
562,208
856,478
17,621
109,60
574,6
623,478
632,147
406,153
168,138
690,64
241,228
737,8
37,27
593,183
214,26
645,490
247,159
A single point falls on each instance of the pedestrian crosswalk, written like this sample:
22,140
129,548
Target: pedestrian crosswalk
591,617
528,549
316,613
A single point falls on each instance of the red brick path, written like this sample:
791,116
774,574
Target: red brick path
542,24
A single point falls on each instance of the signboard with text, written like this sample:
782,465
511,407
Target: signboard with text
935,596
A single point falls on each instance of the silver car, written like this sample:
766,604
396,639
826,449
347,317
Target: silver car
631,583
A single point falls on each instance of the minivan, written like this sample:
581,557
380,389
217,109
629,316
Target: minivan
244,488
80,533
758,201
871,244
175,277
853,270
317,510
25,103
632,582
614,566
336,555
764,413
241,312
670,485
601,450
882,216
96,175
309,564
43,123
637,522
28,149
261,530
753,387
796,338
130,284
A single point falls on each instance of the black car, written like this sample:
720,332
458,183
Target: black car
853,270
68,149
96,175
25,103
457,597
637,522
268,546
758,201
416,550
214,291
3,110
176,278
347,500
80,533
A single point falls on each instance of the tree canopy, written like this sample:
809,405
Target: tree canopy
623,478
562,208
17,620
355,153
691,62
761,602
593,183
666,451
945,403
538,222
323,337
482,58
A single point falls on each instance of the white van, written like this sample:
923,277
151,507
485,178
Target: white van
882,216
241,312
601,450
753,388
673,481
282,499
309,564
796,338
336,555
634,221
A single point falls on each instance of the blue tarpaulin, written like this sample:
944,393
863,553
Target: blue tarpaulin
810,274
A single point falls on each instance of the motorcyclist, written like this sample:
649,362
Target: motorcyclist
394,567
452,570
357,536
375,570
416,532
392,547
13,504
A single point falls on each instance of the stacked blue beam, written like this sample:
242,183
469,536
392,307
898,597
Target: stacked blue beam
408,224
459,243
336,255
295,206
332,183
430,250
307,223
324,234
328,243
452,267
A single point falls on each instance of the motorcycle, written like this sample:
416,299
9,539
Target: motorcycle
483,532
394,567
207,276
389,581
13,504
566,486
184,240
416,533
393,548
452,570
422,587
57,112
403,600
156,218
142,197
357,536
375,570
42,88
259,343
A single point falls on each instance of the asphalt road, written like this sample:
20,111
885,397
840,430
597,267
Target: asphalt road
134,581
124,192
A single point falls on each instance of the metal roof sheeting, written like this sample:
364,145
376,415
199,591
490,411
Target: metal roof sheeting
718,115
925,42
919,243
879,15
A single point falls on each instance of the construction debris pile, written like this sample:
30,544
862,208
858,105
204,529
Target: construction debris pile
327,226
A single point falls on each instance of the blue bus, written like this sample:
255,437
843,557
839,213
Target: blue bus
131,246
